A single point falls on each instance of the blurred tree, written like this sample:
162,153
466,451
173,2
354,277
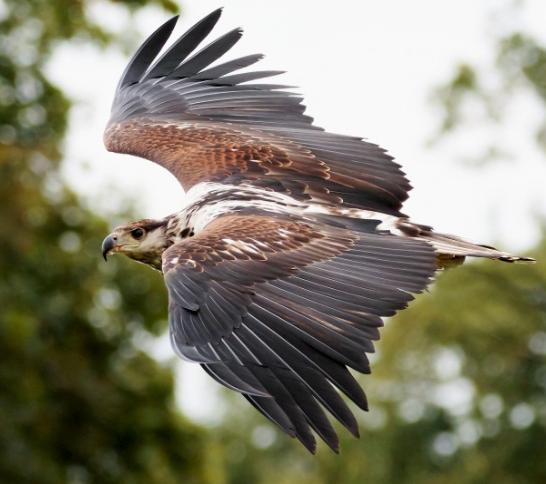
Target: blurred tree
509,86
80,401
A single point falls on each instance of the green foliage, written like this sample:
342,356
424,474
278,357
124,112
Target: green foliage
462,83
79,398
80,401
487,94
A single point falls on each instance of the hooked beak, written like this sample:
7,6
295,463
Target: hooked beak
108,244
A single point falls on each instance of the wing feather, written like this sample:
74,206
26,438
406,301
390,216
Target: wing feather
146,54
183,47
208,123
228,67
207,55
282,328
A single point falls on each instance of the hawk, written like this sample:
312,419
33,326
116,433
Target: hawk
291,245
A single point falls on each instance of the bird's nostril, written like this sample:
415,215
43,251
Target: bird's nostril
115,238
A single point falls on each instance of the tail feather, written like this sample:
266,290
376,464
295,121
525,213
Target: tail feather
450,246
450,249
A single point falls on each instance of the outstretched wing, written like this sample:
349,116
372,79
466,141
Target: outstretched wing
208,123
277,309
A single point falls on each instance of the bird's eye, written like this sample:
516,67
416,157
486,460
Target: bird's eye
137,233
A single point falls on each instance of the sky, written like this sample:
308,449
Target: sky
366,68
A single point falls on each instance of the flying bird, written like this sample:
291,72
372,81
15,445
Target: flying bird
291,245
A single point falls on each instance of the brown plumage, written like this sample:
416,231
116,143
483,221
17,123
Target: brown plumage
201,151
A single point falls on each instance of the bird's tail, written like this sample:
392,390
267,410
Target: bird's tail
453,250
450,249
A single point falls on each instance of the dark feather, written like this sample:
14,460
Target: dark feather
183,47
207,55
227,67
247,76
146,53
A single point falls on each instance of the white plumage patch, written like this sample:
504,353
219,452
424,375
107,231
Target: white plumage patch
239,244
154,240
260,199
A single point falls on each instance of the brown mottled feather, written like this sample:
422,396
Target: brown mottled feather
195,152
270,236
198,151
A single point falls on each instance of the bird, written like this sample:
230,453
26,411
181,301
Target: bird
291,245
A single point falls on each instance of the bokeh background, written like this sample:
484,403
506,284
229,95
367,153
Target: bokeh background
89,389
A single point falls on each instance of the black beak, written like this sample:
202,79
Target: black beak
107,245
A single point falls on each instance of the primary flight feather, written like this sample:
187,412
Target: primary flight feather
291,245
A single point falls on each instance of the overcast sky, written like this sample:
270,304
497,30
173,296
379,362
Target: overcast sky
366,68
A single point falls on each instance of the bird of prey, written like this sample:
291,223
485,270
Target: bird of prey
291,245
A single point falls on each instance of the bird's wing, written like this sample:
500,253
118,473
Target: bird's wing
278,308
206,123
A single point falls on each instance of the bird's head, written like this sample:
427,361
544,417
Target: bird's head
143,241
